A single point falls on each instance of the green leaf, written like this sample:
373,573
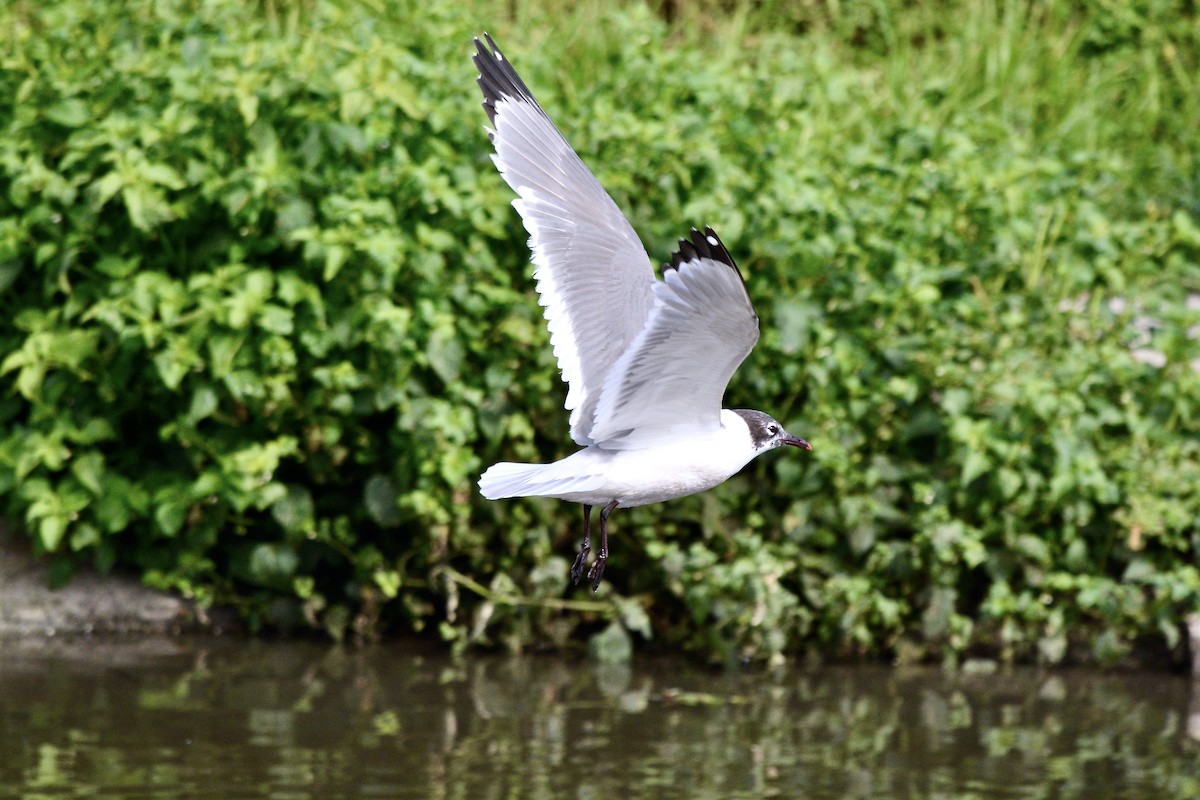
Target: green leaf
9,272
335,257
169,515
975,464
1186,230
70,112
294,511
146,206
272,564
445,353
379,497
388,582
29,381
171,367
114,514
204,403
89,469
105,189
85,536
51,530
163,175
247,103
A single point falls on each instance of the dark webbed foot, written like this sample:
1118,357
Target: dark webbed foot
584,549
597,570
577,567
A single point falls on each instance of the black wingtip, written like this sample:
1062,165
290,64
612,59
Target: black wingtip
497,79
704,244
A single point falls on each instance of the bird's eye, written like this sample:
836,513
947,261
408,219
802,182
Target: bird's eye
772,429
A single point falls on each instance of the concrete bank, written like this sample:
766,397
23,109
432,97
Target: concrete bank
89,604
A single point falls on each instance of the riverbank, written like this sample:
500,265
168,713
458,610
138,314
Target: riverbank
118,605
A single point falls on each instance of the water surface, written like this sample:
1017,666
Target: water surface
288,720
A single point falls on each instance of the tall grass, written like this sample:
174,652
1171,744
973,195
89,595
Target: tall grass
1063,75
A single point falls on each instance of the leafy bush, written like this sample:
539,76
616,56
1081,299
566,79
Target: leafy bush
268,314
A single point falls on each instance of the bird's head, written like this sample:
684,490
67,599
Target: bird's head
766,433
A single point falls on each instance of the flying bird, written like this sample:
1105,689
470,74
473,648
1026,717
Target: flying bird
646,361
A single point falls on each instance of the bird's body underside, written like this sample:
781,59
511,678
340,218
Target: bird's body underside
646,361
595,476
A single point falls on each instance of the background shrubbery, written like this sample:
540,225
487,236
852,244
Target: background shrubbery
267,313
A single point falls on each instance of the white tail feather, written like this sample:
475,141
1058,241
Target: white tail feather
507,479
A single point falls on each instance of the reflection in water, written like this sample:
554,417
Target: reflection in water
225,720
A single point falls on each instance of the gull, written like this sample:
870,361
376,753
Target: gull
646,361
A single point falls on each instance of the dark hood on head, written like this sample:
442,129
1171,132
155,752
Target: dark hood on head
757,422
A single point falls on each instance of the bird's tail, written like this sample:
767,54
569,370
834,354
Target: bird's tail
507,479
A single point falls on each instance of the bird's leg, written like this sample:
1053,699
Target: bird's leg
597,570
581,559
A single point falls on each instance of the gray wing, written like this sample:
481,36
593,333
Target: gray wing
593,275
674,375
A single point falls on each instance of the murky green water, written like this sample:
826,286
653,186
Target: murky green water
301,720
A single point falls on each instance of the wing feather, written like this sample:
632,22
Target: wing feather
593,275
673,377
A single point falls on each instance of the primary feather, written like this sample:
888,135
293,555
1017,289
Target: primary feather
583,247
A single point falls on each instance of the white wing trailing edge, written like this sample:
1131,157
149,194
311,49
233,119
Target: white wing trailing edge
583,247
671,380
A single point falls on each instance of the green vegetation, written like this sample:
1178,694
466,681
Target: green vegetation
267,314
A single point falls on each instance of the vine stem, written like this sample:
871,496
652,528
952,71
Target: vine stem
511,600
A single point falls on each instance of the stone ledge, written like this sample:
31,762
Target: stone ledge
89,604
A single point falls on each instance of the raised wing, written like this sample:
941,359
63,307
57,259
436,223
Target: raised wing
674,375
593,275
